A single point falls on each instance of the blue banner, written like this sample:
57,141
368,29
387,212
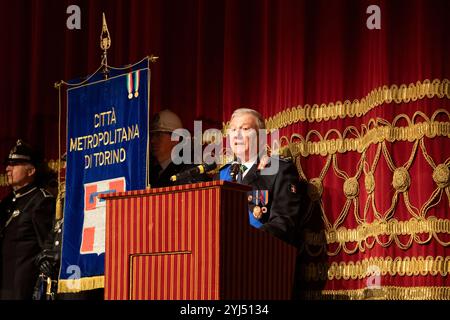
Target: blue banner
107,151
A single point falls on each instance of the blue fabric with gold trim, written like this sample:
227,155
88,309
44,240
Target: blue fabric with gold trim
117,159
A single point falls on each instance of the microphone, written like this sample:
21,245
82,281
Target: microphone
235,167
200,169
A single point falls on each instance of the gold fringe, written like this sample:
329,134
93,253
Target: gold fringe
383,293
357,108
382,266
365,235
3,180
82,284
365,138
377,228
55,164
59,210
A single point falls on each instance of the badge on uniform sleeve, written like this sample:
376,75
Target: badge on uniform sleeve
293,188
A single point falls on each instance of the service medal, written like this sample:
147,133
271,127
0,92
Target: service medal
137,76
257,212
130,85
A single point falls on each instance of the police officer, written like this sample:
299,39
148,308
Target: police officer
48,262
26,216
275,202
49,259
162,168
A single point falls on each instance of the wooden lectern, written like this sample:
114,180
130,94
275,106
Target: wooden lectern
191,242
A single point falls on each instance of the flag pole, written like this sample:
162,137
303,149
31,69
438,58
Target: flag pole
105,44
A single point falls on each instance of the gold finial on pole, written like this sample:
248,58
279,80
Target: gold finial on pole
153,58
58,84
105,43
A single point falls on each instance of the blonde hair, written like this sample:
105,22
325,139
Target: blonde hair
258,117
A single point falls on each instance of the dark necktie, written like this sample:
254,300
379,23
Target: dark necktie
241,173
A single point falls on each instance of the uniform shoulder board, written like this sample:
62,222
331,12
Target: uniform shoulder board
286,159
282,158
45,193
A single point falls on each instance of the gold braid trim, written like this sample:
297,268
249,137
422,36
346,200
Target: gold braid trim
3,180
398,94
367,137
383,293
361,269
55,164
82,284
365,235
431,225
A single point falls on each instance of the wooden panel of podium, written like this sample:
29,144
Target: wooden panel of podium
191,242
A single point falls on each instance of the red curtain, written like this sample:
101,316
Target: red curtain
365,113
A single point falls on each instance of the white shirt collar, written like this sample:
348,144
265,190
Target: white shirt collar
248,164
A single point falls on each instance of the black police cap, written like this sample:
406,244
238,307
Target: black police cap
22,153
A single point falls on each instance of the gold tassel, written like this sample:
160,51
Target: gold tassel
58,214
59,202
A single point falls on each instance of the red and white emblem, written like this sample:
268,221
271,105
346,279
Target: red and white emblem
94,224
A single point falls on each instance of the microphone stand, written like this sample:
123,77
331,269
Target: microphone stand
234,170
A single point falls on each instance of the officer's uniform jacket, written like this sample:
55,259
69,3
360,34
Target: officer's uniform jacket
275,201
26,217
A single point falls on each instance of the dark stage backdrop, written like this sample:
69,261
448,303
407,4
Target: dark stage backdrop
365,113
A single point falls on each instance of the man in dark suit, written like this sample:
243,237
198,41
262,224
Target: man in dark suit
275,202
162,141
26,216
